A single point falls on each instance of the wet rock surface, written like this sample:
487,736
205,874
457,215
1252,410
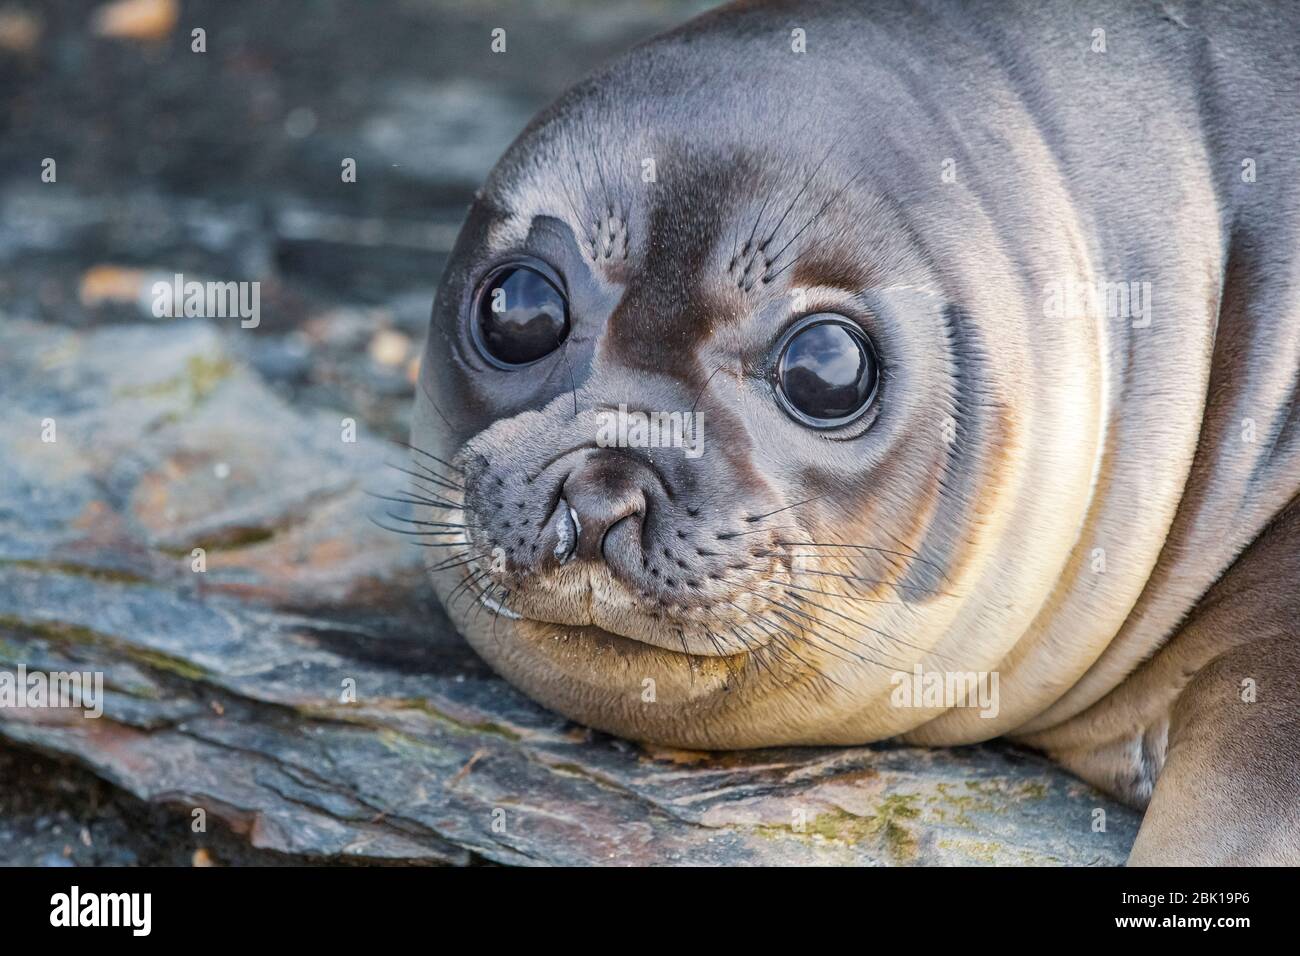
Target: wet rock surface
303,695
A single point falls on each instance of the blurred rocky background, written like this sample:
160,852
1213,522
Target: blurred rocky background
225,165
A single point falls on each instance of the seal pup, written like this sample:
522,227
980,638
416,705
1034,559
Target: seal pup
987,320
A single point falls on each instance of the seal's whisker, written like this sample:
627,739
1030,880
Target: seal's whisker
863,547
434,405
755,619
414,500
469,580
468,554
802,189
457,532
728,535
832,629
573,381
721,654
416,490
427,474
844,654
485,590
812,668
554,366
704,386
452,561
498,607
854,580
579,221
753,518
429,455
582,182
454,594
479,596
893,563
429,524
779,647
758,220
686,652
600,175
773,276
759,619
444,472
748,651
846,597
815,216
874,630
812,219
407,532
416,487
875,582
454,531
755,653
762,211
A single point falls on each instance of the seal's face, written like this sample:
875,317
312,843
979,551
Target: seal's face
711,450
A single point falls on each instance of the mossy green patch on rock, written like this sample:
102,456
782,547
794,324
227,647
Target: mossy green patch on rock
9,653
981,796
77,570
201,376
64,634
888,827
343,712
229,539
481,727
989,853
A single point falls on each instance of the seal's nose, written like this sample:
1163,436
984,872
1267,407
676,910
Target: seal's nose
601,494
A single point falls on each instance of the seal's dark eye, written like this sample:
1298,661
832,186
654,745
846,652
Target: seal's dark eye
826,371
522,315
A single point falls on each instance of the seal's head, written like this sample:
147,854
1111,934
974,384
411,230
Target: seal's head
721,424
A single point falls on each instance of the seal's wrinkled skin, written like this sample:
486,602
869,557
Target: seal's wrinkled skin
1096,505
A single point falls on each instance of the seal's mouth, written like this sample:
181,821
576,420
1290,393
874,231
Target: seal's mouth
590,601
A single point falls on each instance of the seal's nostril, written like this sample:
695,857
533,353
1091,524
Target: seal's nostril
567,528
605,538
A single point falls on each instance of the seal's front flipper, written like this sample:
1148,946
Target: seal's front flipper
1229,790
